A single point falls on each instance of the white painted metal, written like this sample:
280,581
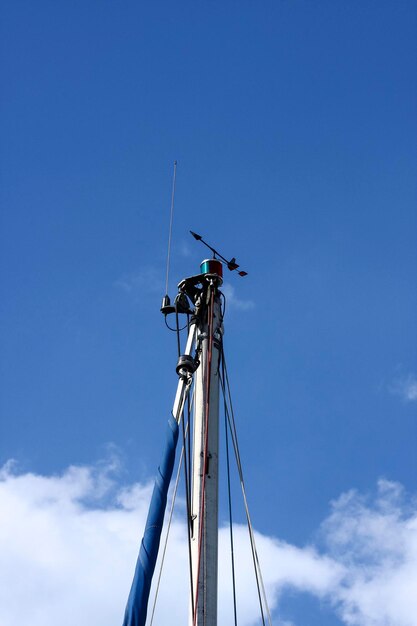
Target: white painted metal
207,579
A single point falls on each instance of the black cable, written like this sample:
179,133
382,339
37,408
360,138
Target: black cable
189,416
178,329
174,330
229,494
224,304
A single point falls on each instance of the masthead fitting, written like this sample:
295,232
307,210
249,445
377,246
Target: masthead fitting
212,266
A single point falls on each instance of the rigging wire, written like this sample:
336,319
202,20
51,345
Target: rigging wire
232,554
230,426
174,495
187,471
251,538
190,520
259,579
174,178
186,439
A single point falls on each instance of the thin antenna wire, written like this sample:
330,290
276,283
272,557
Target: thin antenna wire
170,224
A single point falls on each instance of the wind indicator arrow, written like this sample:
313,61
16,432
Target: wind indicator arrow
231,265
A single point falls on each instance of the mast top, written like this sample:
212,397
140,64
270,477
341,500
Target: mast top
212,266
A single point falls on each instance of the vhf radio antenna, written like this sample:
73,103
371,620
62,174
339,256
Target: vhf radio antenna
231,265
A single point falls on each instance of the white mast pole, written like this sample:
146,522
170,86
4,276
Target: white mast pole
204,498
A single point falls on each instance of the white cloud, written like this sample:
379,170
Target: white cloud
68,546
405,387
233,301
376,542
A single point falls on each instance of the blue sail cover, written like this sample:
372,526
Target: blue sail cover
137,604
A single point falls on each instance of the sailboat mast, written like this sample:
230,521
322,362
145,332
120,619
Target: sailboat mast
206,329
204,497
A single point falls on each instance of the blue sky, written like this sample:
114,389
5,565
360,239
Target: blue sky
294,126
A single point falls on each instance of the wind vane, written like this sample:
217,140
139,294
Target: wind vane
231,265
